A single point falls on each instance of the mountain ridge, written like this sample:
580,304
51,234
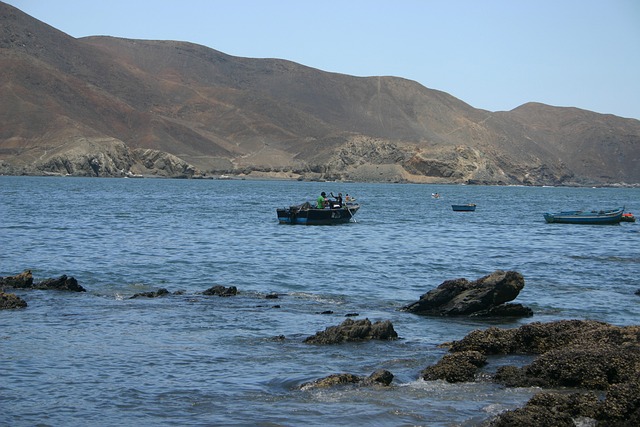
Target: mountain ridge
107,106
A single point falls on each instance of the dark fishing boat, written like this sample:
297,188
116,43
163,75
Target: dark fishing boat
307,214
610,216
469,207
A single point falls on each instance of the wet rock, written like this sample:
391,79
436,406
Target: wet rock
221,291
62,283
620,407
354,330
456,367
19,281
532,415
11,301
538,338
572,354
593,368
505,310
24,280
483,297
332,381
380,377
152,294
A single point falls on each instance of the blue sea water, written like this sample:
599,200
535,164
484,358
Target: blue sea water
99,358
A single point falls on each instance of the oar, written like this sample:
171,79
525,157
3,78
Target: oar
349,210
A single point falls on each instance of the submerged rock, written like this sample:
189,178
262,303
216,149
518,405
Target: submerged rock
380,377
152,294
221,291
354,330
484,297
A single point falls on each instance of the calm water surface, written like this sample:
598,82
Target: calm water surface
99,358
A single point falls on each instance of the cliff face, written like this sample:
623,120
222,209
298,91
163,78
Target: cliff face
102,106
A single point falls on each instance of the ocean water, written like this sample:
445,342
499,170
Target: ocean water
99,358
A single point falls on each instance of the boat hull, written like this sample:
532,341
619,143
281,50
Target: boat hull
312,216
464,208
613,216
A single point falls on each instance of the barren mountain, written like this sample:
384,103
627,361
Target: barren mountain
103,106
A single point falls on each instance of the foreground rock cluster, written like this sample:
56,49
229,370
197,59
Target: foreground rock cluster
573,354
597,365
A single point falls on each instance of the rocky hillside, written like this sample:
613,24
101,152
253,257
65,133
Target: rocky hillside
102,106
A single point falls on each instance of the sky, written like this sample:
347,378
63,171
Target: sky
491,54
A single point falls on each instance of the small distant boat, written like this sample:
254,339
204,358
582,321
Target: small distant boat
469,207
628,217
435,195
308,214
610,216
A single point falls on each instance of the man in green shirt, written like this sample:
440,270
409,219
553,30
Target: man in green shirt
321,200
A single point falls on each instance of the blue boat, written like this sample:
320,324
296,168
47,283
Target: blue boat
307,214
610,216
469,207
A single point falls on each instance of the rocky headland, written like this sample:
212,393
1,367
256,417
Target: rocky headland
114,107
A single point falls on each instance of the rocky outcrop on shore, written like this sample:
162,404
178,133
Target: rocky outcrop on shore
487,296
273,117
584,355
354,330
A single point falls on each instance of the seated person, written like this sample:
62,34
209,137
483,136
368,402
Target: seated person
322,201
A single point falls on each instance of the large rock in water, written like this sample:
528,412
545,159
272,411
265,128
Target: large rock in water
484,297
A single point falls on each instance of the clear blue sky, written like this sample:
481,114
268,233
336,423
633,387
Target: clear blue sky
492,54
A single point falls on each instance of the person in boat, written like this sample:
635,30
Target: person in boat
338,201
322,201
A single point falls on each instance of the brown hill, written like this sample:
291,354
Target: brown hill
102,106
